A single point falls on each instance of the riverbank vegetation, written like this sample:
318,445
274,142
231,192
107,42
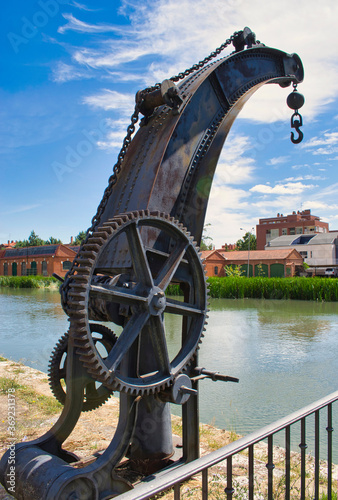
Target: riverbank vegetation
298,288
231,287
28,282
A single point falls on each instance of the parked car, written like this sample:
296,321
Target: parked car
331,272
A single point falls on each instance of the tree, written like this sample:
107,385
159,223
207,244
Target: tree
243,244
80,238
233,271
53,241
206,241
35,241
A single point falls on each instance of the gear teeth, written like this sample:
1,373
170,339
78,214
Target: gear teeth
81,333
98,240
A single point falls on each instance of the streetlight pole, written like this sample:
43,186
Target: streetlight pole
250,232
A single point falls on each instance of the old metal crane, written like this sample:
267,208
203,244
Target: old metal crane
144,236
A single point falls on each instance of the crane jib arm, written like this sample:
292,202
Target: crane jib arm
170,163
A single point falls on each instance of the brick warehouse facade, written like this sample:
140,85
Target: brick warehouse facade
272,263
293,224
44,260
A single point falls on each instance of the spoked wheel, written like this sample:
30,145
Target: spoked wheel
95,393
123,273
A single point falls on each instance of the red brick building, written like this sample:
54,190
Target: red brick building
214,262
295,223
272,263
44,260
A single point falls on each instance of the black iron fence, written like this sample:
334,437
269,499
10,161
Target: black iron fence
311,478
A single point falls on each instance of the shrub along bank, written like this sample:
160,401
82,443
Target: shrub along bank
274,288
323,289
28,281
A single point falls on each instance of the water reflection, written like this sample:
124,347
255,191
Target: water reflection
283,352
31,323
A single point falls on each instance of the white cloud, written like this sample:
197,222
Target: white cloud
82,27
305,178
318,205
179,33
233,167
227,211
326,139
288,188
278,160
81,6
63,72
110,99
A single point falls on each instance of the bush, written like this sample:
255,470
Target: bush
27,281
274,288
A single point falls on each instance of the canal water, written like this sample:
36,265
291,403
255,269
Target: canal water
283,352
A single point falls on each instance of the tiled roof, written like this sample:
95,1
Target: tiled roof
31,251
303,239
259,254
208,253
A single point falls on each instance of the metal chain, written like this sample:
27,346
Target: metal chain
202,63
127,140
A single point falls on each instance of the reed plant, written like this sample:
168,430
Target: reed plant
27,281
297,288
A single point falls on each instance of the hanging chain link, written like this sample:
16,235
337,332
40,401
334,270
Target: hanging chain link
126,141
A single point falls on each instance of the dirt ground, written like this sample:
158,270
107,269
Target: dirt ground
95,430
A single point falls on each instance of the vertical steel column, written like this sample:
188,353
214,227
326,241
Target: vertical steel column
302,447
287,461
177,491
190,410
329,429
317,450
229,490
251,472
270,466
205,484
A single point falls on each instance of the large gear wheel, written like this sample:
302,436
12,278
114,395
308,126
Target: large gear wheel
95,394
123,272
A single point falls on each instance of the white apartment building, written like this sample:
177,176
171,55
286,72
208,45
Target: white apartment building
318,250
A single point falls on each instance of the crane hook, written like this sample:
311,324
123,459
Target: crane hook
296,123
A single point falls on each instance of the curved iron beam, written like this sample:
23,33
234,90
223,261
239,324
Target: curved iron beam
171,161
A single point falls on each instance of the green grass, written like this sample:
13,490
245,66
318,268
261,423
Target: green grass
319,289
27,281
233,287
46,404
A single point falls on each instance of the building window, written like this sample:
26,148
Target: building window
304,255
299,230
66,265
44,268
271,234
292,230
216,270
14,269
284,231
23,269
33,271
5,269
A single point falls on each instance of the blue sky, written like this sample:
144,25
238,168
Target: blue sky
70,71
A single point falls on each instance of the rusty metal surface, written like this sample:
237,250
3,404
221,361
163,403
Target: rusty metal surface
171,161
141,240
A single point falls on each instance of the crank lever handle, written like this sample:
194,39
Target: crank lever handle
188,390
215,375
58,277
